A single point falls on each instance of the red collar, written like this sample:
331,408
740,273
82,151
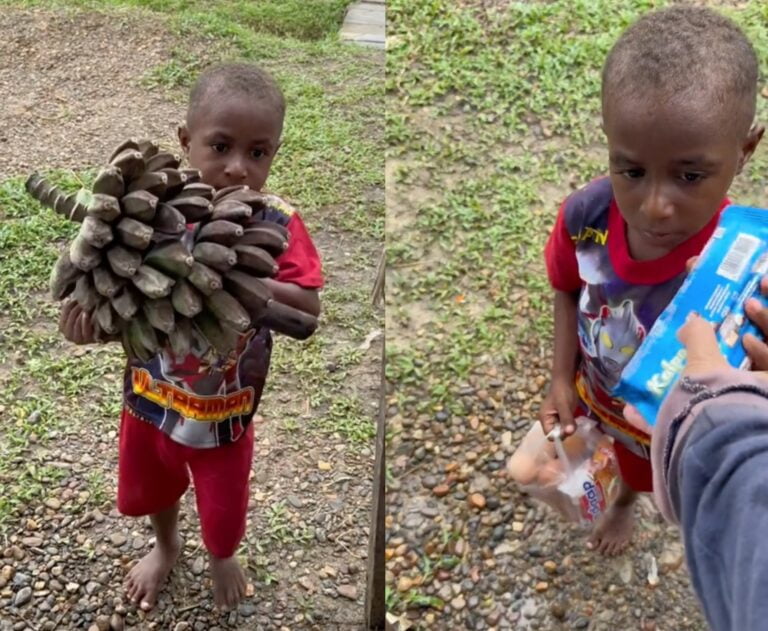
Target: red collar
655,271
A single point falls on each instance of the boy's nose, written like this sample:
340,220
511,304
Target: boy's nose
235,170
657,206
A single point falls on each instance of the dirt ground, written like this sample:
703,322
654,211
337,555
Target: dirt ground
307,538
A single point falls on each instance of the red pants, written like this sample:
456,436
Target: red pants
153,474
635,471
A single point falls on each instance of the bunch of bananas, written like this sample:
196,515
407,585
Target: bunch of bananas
148,280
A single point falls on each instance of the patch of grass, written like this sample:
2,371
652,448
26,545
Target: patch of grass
347,418
281,530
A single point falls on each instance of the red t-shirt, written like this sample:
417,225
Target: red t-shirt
619,298
206,402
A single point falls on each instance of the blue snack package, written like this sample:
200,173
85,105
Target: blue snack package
727,274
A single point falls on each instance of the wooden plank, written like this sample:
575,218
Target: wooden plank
375,609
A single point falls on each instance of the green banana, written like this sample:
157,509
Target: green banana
105,316
180,338
131,164
155,182
257,260
163,160
64,275
226,308
253,293
106,282
134,233
176,181
104,207
125,303
193,175
169,220
159,314
222,340
195,189
223,192
109,181
83,254
85,293
266,238
172,258
186,300
269,225
255,200
231,210
140,205
142,334
148,148
123,261
219,257
221,232
204,278
96,232
194,209
152,283
129,144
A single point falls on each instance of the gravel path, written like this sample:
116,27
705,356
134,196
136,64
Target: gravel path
496,558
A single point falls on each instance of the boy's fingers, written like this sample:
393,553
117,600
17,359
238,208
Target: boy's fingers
758,314
690,264
703,353
757,351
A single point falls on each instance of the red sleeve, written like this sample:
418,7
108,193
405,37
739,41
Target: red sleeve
300,263
560,257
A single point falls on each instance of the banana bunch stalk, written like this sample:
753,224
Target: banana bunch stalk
133,265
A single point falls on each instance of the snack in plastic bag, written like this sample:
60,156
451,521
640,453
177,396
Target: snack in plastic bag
577,476
727,273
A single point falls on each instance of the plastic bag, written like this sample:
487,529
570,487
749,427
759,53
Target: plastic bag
726,275
577,476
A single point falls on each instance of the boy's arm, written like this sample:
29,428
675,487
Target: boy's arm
560,403
306,300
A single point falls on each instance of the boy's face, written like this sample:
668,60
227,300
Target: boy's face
233,141
671,165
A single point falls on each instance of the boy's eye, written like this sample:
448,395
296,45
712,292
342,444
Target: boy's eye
219,147
692,177
257,153
634,174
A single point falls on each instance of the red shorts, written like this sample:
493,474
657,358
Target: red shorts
153,474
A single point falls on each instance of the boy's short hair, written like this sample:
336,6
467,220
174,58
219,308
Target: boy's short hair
235,79
685,49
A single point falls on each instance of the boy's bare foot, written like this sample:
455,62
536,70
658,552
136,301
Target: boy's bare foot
145,579
613,531
228,582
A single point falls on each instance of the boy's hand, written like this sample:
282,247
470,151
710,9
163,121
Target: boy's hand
75,324
558,407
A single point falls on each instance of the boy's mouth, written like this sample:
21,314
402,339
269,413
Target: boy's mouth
661,237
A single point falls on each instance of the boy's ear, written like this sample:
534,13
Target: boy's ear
183,134
750,144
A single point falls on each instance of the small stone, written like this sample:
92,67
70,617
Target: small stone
32,542
306,583
182,626
441,490
102,623
118,539
347,591
671,557
138,543
518,526
506,439
92,587
198,566
72,587
34,418
542,586
580,623
429,481
550,567
23,596
294,501
458,603
404,583
116,622
324,466
477,500
53,503
558,610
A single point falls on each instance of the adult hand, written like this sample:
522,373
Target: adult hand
702,356
75,324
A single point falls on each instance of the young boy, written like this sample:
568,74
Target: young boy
678,101
232,133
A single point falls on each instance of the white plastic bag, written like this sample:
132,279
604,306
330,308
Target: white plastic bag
577,476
